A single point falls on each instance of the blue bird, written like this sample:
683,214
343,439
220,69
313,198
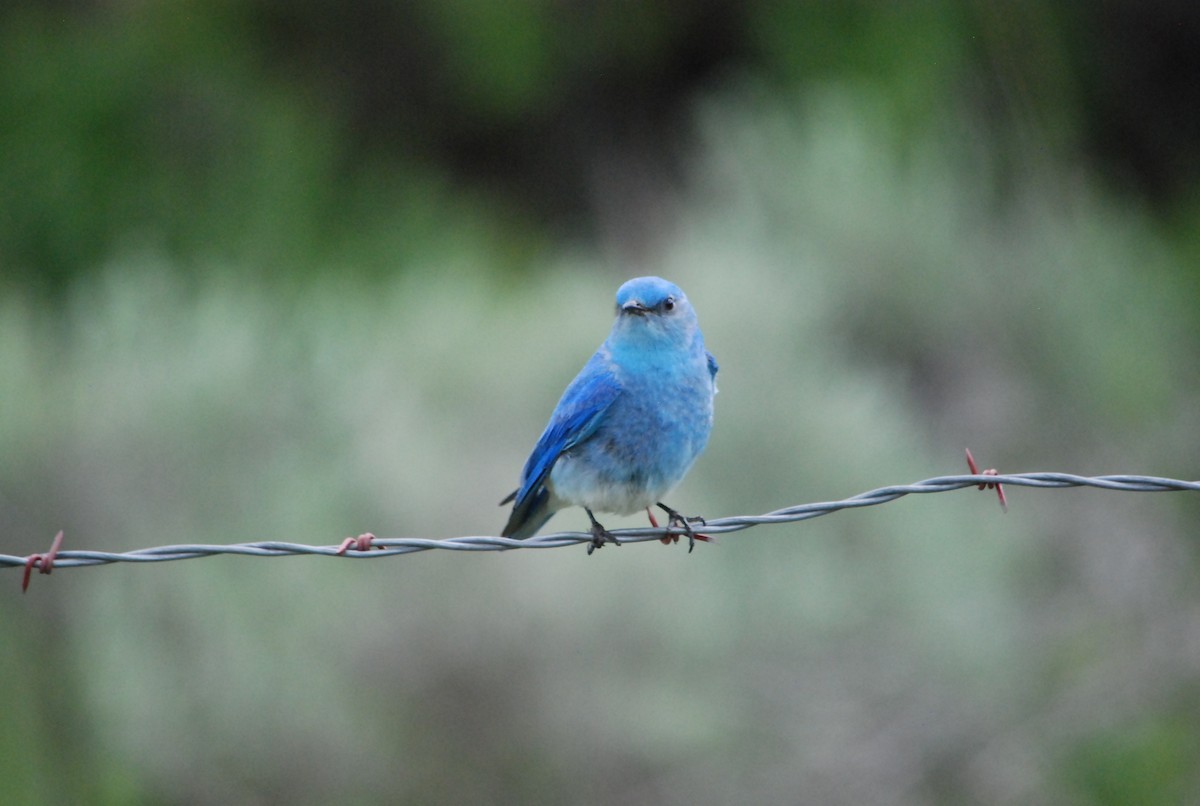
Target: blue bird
629,426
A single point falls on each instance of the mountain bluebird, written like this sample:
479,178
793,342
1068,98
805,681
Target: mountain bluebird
629,426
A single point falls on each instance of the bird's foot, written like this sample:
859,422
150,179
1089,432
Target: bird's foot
678,521
600,535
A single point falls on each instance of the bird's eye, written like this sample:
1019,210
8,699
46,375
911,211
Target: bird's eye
669,304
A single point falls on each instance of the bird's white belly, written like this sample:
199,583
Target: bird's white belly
577,482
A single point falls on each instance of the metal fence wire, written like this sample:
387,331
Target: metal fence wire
375,547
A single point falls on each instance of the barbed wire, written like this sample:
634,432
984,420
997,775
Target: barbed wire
369,546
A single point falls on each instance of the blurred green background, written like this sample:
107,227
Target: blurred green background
298,271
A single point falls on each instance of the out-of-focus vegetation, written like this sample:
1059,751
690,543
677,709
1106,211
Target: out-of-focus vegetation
297,271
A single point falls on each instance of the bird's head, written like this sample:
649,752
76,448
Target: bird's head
650,308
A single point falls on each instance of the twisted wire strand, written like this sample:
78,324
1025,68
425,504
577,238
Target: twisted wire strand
387,547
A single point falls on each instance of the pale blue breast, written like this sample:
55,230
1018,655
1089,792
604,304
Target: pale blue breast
647,441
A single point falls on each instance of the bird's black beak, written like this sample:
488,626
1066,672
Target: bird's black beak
634,307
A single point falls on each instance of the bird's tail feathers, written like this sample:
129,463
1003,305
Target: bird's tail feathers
528,515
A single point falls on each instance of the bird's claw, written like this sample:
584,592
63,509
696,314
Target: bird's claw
600,535
678,521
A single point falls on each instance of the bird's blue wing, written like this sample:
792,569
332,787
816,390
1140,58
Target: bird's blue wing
575,418
712,366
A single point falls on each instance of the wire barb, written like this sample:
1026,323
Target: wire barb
361,543
999,488
43,562
388,547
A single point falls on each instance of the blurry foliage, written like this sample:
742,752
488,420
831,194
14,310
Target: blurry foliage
1144,763
255,219
284,133
152,126
872,313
